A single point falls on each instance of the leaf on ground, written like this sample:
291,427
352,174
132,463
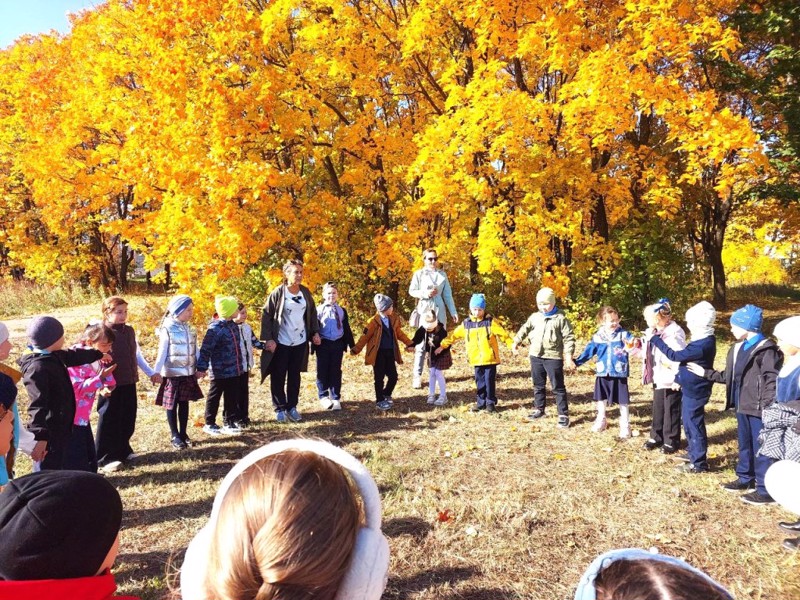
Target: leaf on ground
443,516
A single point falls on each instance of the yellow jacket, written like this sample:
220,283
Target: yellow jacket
480,340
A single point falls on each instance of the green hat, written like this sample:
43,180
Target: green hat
226,306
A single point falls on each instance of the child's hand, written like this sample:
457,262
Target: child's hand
316,340
107,358
156,379
200,374
515,349
39,451
438,351
570,365
105,391
108,370
696,369
270,346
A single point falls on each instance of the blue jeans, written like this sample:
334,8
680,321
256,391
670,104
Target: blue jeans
485,379
751,467
693,412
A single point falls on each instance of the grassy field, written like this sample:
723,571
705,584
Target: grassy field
476,507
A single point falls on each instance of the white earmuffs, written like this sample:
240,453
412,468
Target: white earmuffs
367,575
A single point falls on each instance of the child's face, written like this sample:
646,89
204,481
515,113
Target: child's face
388,311
241,316
477,313
787,348
118,316
610,322
294,275
5,349
738,332
330,295
186,314
103,345
545,306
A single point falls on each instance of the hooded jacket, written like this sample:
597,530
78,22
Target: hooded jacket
221,351
757,387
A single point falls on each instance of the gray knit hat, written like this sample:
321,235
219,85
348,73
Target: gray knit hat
45,331
382,303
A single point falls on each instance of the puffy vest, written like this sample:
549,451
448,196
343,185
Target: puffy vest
182,353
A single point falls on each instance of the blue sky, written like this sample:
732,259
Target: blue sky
36,16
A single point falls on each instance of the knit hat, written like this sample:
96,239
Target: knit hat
546,294
748,317
700,320
57,525
477,301
788,331
45,331
178,304
226,306
382,303
429,320
3,332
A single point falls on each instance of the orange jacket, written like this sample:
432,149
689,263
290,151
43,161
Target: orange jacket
372,338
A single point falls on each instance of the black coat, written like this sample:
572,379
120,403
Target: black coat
757,389
51,408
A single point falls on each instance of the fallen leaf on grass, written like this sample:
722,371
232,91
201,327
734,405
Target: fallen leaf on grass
443,516
560,456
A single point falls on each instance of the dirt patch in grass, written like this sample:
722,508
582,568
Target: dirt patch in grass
476,506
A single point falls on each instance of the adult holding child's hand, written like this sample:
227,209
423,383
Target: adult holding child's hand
431,288
288,324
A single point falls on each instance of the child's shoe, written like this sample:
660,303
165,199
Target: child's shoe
490,408
186,440
441,400
537,413
326,403
384,405
624,432
432,399
294,415
389,400
178,443
337,405
563,421
230,429
477,407
212,429
599,425
417,383
280,416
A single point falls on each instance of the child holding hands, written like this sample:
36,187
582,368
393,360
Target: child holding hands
335,337
381,337
552,344
480,333
432,332
88,381
610,344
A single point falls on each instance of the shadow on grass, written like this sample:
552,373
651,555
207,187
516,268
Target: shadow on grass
411,526
407,587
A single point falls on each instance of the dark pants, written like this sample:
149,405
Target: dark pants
329,369
81,454
384,368
751,467
244,397
178,419
57,446
693,411
284,376
226,388
666,427
116,424
541,369
485,380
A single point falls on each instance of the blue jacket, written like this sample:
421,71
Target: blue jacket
701,352
612,357
222,350
788,387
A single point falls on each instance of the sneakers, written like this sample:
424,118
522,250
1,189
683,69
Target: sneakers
326,403
624,432
563,421
294,415
756,498
336,405
432,399
490,407
680,457
111,467
690,469
132,456
537,413
790,526
737,485
187,441
667,449
389,400
417,383
231,429
651,444
212,429
441,400
242,424
477,407
384,405
599,425
178,443
280,416
792,544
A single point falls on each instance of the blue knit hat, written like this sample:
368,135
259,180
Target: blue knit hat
748,317
178,304
477,301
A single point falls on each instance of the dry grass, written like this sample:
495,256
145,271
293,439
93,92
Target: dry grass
530,505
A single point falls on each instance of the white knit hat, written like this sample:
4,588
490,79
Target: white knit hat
788,331
700,320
